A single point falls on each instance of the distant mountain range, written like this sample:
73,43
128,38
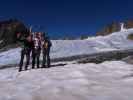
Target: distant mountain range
114,27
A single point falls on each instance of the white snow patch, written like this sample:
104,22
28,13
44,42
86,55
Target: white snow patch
73,82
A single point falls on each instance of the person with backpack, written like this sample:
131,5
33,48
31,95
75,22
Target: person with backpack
46,50
27,44
36,50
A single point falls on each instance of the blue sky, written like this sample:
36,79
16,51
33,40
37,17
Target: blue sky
67,17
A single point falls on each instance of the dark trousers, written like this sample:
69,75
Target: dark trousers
25,52
36,57
46,57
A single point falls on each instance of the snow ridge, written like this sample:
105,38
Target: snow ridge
65,48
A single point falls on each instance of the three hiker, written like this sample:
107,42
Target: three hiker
35,45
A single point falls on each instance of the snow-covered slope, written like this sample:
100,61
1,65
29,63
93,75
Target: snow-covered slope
63,48
117,40
106,81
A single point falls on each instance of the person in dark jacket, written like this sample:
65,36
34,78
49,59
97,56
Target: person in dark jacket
46,50
27,45
36,50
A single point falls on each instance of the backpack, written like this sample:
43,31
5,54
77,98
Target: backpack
45,45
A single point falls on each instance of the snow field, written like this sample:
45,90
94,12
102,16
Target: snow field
105,81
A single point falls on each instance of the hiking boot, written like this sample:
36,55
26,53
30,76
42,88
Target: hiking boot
38,66
43,66
33,67
19,70
26,67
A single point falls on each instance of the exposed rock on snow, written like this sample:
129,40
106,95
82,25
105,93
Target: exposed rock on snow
106,56
128,59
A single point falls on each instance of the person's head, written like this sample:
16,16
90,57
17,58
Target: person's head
18,34
38,35
44,34
47,38
29,38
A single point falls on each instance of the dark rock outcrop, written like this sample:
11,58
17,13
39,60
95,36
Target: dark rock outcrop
114,27
8,30
107,56
128,24
97,57
128,59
